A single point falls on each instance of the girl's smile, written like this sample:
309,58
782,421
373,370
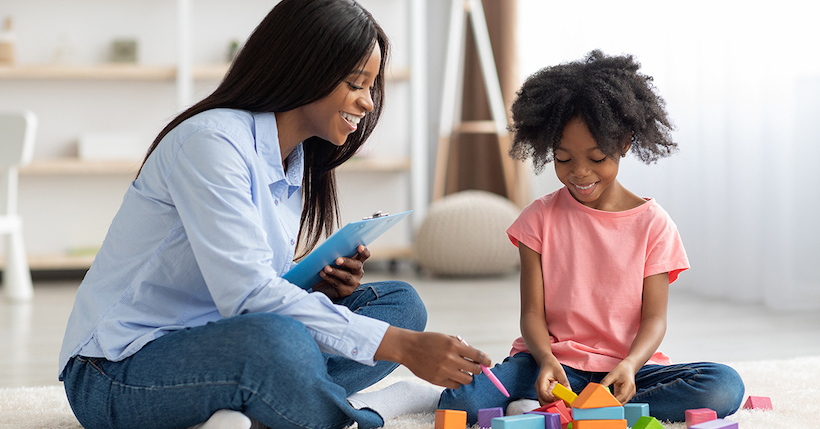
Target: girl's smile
588,173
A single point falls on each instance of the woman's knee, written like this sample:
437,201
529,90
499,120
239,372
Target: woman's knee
402,301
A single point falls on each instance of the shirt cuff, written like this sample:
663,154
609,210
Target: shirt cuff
360,340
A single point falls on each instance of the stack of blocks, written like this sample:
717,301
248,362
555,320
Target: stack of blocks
594,408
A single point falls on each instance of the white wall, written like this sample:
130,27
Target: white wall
67,212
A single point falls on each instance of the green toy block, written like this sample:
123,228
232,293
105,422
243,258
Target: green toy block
647,422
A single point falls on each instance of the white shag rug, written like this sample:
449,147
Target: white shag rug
791,384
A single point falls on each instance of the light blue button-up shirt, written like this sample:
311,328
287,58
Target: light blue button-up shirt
205,233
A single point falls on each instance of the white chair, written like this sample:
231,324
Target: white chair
17,131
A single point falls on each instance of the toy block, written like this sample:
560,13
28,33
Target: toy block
486,416
633,411
699,415
647,422
758,403
595,396
605,413
557,407
599,424
451,419
716,424
551,420
521,421
561,392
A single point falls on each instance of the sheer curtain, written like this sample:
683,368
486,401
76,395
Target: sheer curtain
742,85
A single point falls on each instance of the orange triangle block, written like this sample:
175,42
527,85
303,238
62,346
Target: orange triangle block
595,396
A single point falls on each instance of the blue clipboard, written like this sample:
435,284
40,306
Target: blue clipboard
342,243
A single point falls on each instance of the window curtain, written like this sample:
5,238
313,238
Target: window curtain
742,85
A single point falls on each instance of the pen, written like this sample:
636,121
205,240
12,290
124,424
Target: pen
489,373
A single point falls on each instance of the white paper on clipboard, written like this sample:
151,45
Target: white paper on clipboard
342,243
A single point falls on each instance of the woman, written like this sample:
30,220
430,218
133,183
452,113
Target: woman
184,312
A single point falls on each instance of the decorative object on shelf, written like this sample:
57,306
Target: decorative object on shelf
124,51
464,234
110,146
65,52
7,40
233,49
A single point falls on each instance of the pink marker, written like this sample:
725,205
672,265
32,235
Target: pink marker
489,373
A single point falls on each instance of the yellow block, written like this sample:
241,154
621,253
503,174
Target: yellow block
564,394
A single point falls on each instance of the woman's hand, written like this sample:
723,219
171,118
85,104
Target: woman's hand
340,281
438,358
622,380
550,373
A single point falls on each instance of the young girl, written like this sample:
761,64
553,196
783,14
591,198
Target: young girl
184,317
596,259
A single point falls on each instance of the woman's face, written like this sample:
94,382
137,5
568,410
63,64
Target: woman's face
337,115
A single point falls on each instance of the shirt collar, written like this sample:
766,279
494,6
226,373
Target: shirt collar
267,146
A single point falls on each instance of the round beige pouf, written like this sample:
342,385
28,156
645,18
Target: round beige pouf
464,234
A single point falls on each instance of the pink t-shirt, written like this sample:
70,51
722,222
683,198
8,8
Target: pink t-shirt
594,264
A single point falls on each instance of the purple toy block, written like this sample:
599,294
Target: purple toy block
486,416
551,420
716,424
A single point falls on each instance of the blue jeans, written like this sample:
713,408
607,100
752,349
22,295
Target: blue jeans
669,390
264,365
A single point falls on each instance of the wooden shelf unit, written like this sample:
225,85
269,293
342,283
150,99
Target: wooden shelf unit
80,167
134,72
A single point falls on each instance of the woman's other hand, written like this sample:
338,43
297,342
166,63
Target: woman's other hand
340,281
438,358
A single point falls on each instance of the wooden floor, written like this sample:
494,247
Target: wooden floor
482,310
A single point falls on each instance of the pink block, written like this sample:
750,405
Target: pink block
758,403
699,415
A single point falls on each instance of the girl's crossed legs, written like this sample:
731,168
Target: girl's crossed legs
669,390
264,365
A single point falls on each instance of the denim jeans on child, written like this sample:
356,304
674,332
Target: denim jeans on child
669,390
265,365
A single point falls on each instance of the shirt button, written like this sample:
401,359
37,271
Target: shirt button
276,202
355,352
292,242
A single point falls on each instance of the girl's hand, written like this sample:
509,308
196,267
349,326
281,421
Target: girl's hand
339,282
551,373
622,380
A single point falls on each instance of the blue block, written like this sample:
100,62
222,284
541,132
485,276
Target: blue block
606,413
521,421
486,416
551,420
634,411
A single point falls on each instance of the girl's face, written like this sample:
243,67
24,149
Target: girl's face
337,115
586,171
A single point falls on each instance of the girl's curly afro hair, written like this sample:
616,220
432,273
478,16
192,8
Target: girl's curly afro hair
616,101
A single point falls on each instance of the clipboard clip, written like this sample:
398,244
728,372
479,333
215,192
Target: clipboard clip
375,215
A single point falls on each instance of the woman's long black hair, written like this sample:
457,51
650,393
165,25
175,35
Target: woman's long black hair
297,55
